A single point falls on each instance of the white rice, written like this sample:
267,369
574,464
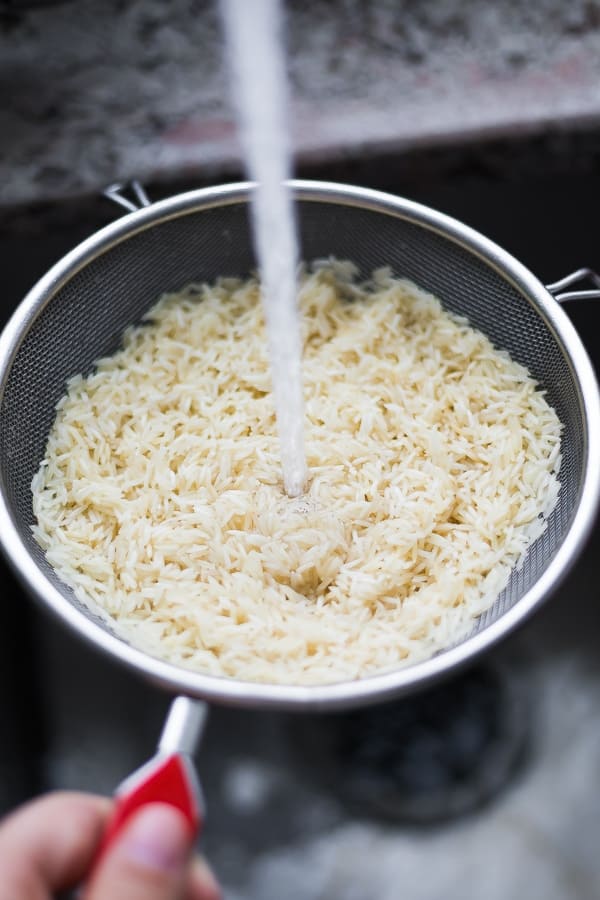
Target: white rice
432,456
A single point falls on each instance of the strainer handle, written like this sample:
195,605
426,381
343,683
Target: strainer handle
581,275
169,777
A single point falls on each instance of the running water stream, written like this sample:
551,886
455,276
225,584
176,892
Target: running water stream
256,59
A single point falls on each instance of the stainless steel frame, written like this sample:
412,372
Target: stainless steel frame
378,687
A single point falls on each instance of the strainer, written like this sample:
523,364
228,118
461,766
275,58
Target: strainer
79,310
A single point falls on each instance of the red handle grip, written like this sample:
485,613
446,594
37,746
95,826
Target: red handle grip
163,780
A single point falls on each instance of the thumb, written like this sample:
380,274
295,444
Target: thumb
148,860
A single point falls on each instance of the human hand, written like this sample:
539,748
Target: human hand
48,846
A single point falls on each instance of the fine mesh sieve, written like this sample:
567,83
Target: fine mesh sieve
78,312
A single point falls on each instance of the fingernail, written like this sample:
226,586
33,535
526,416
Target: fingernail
204,877
158,837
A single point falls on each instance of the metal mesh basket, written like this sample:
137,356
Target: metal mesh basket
78,312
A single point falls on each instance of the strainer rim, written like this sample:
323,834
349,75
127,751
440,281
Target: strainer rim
375,687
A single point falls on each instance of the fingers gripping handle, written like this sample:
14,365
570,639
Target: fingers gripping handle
168,778
166,782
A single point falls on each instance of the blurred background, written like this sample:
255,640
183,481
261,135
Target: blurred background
490,784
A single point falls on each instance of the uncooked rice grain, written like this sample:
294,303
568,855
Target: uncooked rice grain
433,464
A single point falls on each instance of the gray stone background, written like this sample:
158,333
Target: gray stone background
96,91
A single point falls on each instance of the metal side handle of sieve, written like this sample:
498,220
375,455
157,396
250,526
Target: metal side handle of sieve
580,276
119,192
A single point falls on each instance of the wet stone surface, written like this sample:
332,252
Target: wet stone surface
98,92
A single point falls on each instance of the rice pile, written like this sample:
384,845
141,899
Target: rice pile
432,456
